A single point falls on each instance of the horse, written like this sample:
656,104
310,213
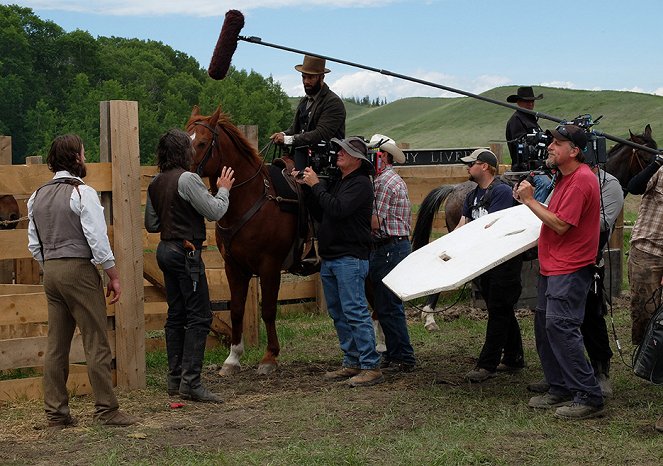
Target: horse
254,236
9,212
623,162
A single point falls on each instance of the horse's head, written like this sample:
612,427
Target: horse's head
204,134
624,161
9,212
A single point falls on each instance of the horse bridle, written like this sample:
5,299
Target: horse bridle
634,155
208,152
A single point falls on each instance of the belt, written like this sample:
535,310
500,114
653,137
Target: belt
379,242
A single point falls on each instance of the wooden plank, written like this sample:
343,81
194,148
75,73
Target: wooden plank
6,266
251,133
123,146
25,179
299,289
32,388
18,289
14,244
23,308
5,150
9,332
29,352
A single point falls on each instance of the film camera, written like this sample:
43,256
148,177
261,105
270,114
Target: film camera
533,147
321,158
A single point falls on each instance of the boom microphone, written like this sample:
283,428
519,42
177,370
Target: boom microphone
226,45
229,37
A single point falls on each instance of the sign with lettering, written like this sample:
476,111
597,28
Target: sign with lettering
436,156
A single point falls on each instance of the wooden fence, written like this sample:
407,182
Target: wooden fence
122,184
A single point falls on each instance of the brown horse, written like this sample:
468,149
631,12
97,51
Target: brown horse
9,212
624,161
254,235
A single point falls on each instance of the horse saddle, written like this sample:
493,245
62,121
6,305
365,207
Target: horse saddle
302,258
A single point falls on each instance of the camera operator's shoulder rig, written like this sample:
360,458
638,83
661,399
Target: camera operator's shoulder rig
533,147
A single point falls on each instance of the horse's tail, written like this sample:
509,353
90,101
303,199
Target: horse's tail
427,212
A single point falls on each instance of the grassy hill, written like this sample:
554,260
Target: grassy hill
464,121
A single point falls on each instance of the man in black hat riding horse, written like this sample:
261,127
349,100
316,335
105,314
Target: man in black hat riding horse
520,124
320,115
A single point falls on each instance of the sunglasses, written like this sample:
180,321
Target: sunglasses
471,164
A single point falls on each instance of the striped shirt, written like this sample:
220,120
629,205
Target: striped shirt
647,235
392,204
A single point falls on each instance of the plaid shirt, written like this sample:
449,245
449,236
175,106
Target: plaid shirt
392,204
647,235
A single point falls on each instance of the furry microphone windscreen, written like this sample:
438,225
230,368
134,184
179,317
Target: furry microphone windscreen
226,45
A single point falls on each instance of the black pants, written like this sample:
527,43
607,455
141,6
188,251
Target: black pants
594,328
500,288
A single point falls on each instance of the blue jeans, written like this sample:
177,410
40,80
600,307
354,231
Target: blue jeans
387,305
560,311
343,283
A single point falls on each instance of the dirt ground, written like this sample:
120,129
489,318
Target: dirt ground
248,417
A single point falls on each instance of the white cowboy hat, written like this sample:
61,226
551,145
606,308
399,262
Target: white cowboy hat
385,143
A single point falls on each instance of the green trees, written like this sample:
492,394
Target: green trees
51,82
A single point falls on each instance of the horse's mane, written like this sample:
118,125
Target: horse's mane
241,142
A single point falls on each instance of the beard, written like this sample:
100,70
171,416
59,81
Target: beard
313,90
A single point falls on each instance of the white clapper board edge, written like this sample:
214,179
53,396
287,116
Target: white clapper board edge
465,253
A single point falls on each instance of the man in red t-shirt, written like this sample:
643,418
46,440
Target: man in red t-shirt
567,251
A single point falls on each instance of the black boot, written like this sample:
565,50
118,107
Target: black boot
191,387
174,350
602,373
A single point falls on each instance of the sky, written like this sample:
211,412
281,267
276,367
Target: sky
470,45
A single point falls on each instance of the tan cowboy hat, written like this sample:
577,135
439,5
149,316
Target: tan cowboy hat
312,65
386,144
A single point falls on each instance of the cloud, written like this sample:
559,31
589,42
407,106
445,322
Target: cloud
202,8
374,85
559,84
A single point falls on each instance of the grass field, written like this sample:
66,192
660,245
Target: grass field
430,416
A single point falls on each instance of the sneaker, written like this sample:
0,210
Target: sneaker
479,375
342,373
366,377
579,411
501,367
659,424
548,401
57,424
606,386
395,366
117,418
538,387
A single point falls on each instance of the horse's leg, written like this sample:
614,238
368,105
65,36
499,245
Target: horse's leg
239,285
426,313
269,286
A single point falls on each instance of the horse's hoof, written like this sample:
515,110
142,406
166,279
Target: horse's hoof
266,369
432,327
228,369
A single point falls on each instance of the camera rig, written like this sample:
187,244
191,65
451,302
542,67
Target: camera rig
533,147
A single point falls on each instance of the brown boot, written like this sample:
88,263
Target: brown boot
117,418
342,373
366,377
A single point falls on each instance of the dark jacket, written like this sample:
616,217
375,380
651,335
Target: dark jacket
344,210
177,218
519,124
325,119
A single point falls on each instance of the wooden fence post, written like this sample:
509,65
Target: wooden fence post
27,270
119,137
7,265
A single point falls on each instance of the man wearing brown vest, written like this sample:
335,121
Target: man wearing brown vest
67,236
177,204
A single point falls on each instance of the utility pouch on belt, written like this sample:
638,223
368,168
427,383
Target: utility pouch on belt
192,266
648,359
